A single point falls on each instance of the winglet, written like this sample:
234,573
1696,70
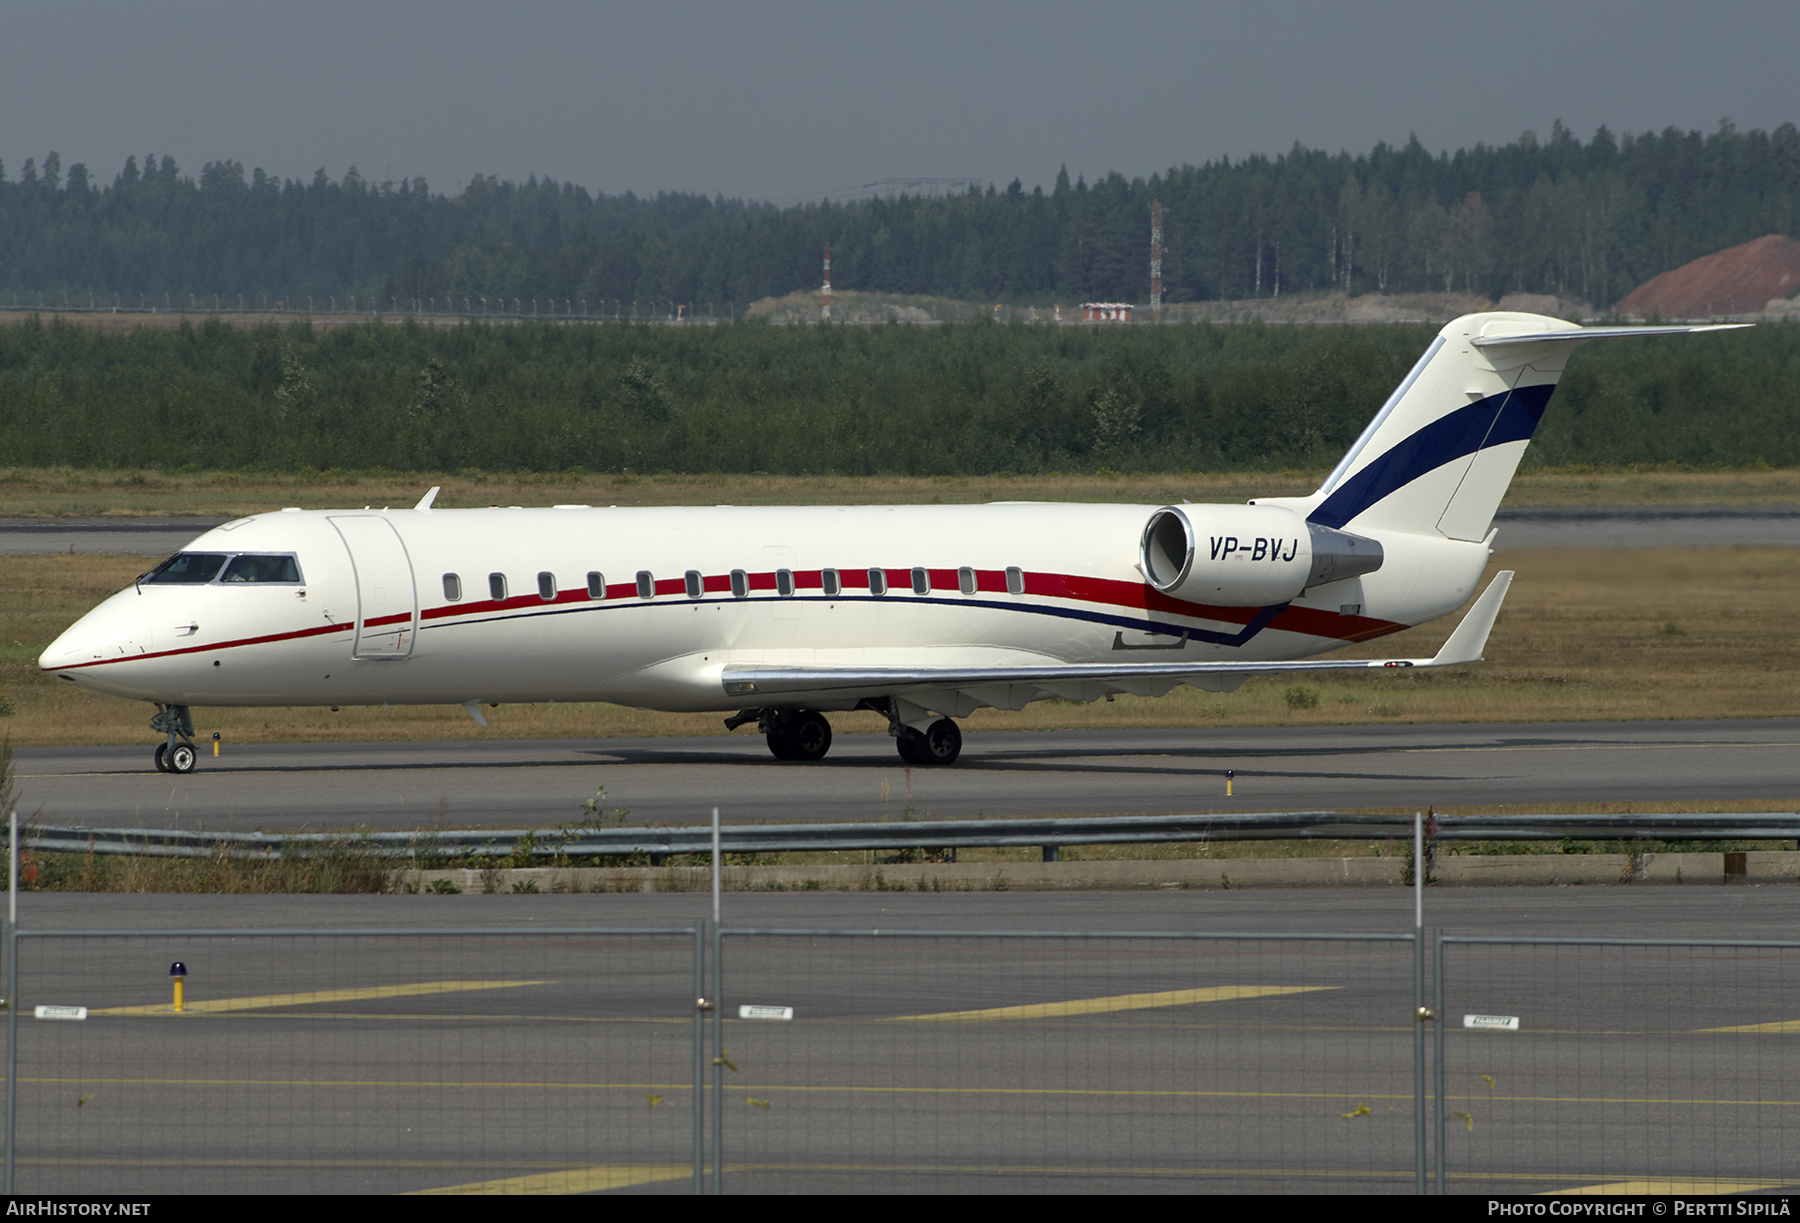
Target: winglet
1470,637
428,498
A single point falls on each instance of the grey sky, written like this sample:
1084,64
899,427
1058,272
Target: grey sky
788,100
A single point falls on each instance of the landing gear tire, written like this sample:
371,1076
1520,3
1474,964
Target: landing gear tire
180,759
911,746
941,743
162,757
805,735
809,736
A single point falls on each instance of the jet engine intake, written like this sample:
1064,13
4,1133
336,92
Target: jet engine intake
1247,555
1227,555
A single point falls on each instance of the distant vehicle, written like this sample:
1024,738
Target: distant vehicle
783,615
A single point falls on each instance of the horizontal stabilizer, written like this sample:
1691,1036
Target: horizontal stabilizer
1584,334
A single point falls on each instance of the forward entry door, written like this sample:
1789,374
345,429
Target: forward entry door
387,602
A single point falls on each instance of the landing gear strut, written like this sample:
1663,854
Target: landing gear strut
178,755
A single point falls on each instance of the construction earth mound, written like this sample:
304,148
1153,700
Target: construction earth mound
1757,280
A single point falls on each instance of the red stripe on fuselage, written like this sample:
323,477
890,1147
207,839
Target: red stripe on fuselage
1110,592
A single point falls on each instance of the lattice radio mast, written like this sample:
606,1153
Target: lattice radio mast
1156,260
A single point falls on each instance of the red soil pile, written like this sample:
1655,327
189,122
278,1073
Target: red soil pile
1742,280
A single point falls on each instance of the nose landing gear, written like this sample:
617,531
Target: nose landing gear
178,755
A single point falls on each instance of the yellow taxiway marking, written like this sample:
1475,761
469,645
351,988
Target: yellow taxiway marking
1666,1185
1576,747
1791,1026
222,1006
596,1179
1117,1002
1334,1097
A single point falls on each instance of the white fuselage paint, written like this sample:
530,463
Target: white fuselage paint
1084,602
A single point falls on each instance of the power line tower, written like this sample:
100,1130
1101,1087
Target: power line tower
1156,260
825,293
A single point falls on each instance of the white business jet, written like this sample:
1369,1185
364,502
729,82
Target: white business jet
781,615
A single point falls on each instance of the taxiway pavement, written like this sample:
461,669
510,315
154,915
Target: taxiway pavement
543,783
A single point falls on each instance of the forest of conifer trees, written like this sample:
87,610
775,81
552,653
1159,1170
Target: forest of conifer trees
1580,219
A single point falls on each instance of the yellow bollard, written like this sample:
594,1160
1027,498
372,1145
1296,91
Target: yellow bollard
1229,774
215,743
178,970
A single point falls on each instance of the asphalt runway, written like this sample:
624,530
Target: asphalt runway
528,1044
1602,526
543,783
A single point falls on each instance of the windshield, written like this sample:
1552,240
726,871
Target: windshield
199,568
187,568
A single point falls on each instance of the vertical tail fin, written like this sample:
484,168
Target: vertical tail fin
1439,455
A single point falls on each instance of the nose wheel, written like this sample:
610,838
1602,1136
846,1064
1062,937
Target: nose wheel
178,755
180,759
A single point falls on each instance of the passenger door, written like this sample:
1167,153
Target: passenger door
387,602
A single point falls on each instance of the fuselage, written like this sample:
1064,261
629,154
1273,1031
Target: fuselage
646,607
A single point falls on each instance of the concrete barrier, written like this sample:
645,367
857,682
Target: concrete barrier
1213,874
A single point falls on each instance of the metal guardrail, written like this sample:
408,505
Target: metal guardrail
1050,834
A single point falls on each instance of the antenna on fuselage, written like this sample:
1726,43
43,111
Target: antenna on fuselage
428,498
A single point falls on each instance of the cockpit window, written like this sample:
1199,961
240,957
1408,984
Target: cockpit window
256,567
187,569
199,568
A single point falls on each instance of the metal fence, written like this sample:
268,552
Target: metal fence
803,1060
1011,1063
354,1061
1637,1066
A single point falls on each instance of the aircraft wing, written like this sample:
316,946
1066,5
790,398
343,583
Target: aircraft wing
752,682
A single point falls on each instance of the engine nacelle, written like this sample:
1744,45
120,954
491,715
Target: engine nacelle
1247,555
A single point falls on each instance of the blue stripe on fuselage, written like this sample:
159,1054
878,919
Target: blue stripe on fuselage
1509,417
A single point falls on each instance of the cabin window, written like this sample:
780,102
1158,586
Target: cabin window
696,585
452,587
740,584
829,581
784,582
877,581
497,587
1015,580
596,584
547,587
646,584
921,581
965,580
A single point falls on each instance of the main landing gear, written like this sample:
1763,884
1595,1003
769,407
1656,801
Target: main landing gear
939,743
178,755
804,734
795,734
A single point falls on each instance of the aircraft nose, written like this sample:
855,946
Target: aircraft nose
115,629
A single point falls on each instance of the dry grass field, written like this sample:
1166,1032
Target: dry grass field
61,493
1586,634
